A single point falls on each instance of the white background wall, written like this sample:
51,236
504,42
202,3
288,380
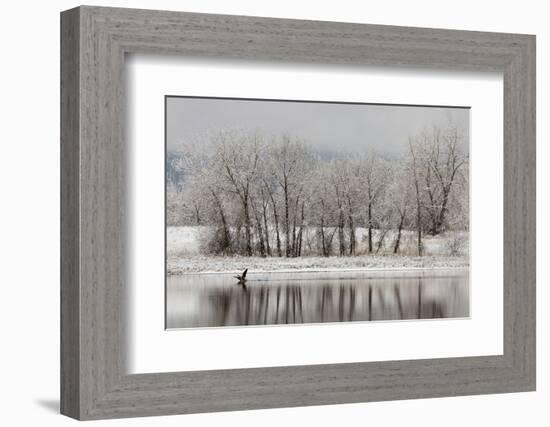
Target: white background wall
29,224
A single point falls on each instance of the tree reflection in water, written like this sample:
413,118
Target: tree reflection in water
283,298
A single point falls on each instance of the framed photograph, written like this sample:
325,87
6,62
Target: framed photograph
263,213
293,212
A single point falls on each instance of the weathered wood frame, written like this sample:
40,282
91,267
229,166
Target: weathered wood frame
94,41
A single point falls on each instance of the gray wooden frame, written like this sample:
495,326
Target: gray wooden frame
94,41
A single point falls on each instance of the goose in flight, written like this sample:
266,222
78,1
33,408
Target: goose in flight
241,277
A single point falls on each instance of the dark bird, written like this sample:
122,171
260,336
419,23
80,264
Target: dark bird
242,277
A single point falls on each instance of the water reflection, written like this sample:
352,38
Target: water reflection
202,300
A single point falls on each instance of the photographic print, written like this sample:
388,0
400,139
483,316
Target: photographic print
296,212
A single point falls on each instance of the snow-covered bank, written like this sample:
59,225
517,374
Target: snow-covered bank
186,241
211,264
183,255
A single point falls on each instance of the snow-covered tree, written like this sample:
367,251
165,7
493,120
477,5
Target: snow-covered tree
277,196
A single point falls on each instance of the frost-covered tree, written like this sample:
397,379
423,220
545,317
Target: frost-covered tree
437,160
292,162
323,208
237,159
398,200
375,172
276,196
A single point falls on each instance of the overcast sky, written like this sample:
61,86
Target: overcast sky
325,126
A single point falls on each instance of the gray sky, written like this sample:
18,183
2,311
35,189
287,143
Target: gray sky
331,127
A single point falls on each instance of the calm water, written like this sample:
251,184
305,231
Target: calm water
207,300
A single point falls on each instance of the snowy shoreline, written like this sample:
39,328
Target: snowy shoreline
184,256
231,265
332,270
